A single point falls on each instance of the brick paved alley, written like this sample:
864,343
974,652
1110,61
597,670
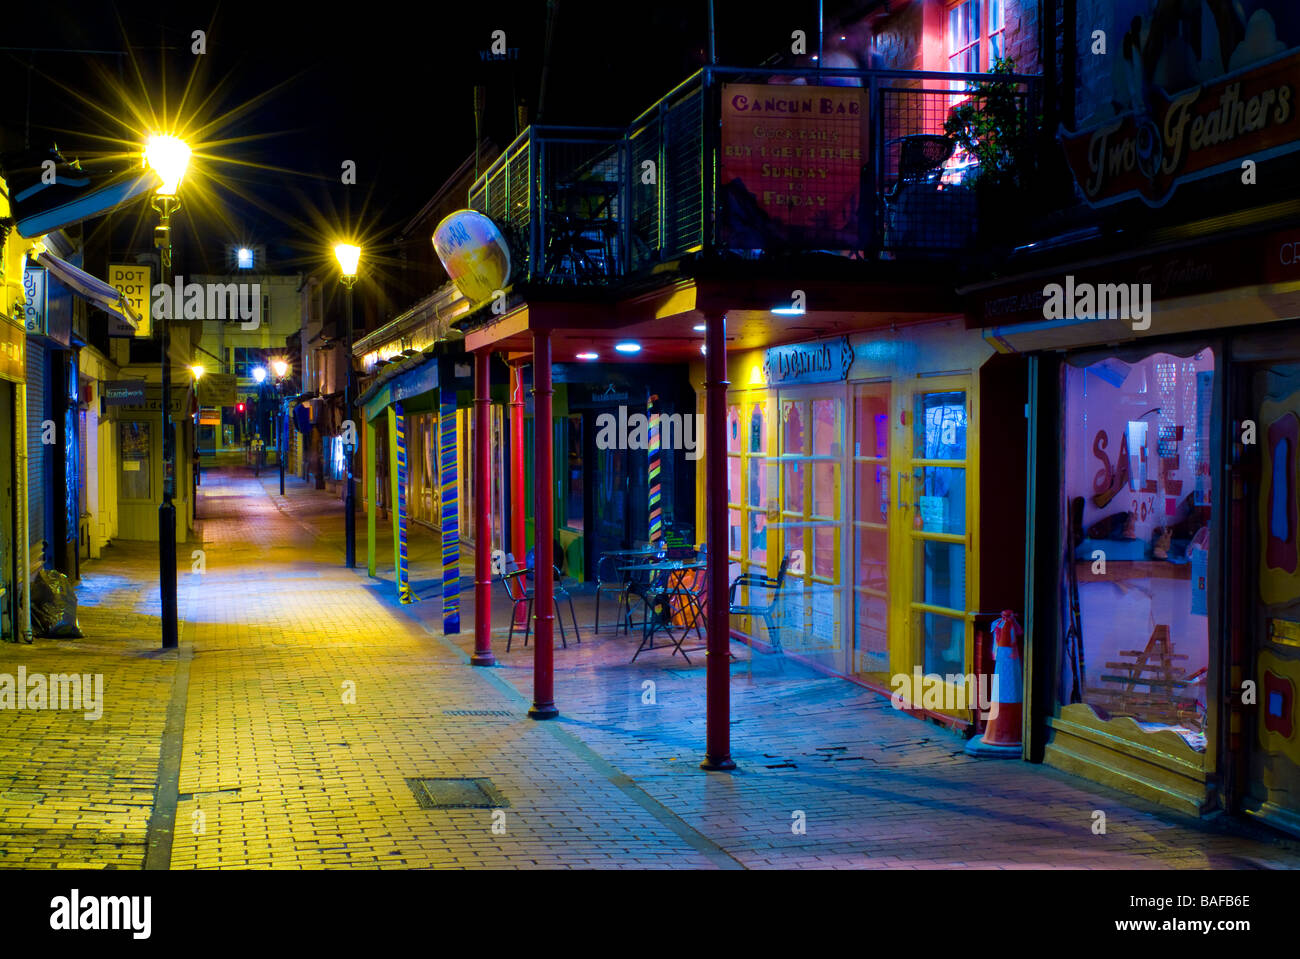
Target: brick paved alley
304,697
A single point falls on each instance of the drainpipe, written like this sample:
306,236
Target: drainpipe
22,533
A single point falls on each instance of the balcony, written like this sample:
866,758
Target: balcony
753,163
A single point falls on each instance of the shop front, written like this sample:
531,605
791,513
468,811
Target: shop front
854,476
1162,630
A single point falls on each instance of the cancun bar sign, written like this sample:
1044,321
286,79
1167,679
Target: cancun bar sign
1201,131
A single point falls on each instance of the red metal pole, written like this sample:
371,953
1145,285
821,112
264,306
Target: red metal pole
717,679
544,533
518,513
482,513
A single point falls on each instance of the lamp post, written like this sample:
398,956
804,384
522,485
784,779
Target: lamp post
281,369
198,371
259,454
348,256
167,156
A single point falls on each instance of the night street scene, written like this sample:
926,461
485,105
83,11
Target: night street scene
702,435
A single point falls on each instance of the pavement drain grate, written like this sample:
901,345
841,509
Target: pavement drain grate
477,712
457,794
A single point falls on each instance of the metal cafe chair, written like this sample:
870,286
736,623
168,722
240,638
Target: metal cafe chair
767,612
642,587
515,582
610,580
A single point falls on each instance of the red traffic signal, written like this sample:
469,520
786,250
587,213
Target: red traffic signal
240,408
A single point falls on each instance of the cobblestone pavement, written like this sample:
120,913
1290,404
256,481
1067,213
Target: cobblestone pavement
308,697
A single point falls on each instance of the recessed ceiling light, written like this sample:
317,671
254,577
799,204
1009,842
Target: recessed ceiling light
588,356
700,327
788,310
628,347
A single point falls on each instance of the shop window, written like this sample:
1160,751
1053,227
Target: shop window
133,455
1136,512
573,514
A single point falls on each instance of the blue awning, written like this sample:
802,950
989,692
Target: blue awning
95,291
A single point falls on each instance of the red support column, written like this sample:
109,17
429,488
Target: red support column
717,681
482,512
544,529
517,511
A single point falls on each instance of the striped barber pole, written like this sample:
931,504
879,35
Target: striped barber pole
404,594
449,487
656,510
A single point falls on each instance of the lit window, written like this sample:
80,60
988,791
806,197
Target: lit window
974,43
245,258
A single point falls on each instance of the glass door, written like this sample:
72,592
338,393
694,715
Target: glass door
811,432
870,536
936,516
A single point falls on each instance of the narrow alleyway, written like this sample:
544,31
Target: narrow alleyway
303,698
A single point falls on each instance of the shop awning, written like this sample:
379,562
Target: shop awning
95,291
413,379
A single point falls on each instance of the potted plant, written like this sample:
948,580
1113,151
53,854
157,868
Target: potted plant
994,124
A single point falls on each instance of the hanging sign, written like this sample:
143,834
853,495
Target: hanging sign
827,361
36,291
132,281
217,389
474,254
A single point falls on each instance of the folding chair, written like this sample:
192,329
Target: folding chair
766,612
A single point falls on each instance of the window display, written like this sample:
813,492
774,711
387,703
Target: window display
1136,511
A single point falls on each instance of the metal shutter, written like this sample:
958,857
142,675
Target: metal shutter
37,398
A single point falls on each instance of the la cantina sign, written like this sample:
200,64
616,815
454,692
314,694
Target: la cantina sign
824,362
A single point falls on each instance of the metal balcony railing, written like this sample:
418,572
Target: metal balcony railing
863,169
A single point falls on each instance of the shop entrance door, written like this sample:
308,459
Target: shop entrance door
933,546
812,432
872,519
1272,741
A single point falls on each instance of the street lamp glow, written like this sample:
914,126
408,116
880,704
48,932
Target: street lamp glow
167,156
197,370
280,367
348,257
259,374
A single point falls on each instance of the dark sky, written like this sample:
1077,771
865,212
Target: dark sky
387,85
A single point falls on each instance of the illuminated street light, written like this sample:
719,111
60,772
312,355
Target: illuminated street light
259,374
348,255
168,156
197,371
280,368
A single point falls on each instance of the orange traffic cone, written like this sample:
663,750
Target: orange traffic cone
1001,738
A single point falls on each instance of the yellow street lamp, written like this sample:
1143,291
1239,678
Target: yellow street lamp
167,156
348,255
198,371
280,368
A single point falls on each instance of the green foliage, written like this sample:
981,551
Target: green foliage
994,125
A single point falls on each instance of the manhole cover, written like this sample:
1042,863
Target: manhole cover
457,794
477,712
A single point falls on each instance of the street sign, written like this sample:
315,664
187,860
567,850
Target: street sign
132,281
217,389
124,393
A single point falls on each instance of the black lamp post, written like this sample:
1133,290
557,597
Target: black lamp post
167,156
348,256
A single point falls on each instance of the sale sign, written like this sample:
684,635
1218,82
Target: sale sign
132,281
791,165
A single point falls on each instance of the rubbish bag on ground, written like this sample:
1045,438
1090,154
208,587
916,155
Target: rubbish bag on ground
54,606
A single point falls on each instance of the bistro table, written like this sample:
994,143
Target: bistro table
675,571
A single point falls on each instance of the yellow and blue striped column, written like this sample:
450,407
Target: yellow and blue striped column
656,509
448,483
404,594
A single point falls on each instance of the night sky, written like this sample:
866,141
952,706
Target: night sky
389,86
